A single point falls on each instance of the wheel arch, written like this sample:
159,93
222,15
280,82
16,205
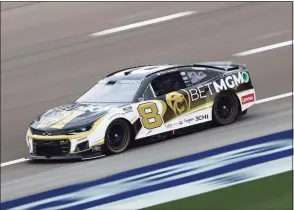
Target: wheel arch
125,121
132,127
234,93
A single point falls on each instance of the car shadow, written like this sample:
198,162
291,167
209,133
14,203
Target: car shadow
53,162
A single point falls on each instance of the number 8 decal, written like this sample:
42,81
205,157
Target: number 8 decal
150,116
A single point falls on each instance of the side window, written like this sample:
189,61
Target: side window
148,93
167,83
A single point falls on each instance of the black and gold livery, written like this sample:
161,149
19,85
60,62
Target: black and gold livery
180,89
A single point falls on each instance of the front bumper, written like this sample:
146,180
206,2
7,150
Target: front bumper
61,150
89,154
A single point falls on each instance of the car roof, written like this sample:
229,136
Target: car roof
139,72
143,71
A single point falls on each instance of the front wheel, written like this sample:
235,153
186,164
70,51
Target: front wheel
225,108
118,136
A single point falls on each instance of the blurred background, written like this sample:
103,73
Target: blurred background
49,57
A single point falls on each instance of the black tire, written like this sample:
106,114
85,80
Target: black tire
243,113
118,137
225,108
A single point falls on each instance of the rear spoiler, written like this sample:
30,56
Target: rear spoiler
222,65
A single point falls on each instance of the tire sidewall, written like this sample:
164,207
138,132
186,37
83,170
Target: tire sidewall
127,131
216,119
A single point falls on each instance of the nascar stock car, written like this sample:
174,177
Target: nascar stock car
138,103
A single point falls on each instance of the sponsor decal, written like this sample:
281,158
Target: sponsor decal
189,120
231,81
196,76
199,68
168,126
45,123
201,117
71,108
178,103
53,118
116,115
223,84
192,120
188,83
82,139
165,72
96,148
72,115
178,123
247,98
199,92
129,81
128,109
66,107
92,108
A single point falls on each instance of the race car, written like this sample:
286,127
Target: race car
138,103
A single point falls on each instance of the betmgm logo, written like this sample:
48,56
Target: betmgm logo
226,83
178,102
231,81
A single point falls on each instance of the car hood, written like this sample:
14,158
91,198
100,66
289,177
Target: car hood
71,116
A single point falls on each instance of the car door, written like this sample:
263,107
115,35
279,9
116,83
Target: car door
170,88
163,99
186,97
174,100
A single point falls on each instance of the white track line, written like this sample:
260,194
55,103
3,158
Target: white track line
13,162
256,102
261,49
143,23
273,98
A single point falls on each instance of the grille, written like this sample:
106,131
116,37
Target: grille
43,133
58,132
51,147
36,132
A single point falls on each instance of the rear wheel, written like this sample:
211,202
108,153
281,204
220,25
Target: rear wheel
243,113
225,108
118,136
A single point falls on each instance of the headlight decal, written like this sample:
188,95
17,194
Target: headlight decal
79,130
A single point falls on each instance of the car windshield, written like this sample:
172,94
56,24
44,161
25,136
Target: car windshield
122,91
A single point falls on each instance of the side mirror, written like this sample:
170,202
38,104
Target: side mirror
141,99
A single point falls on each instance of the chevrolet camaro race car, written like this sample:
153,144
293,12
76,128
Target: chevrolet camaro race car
138,103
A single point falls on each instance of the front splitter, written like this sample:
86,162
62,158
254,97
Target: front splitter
67,157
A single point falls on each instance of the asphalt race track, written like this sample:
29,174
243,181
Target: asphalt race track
47,58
